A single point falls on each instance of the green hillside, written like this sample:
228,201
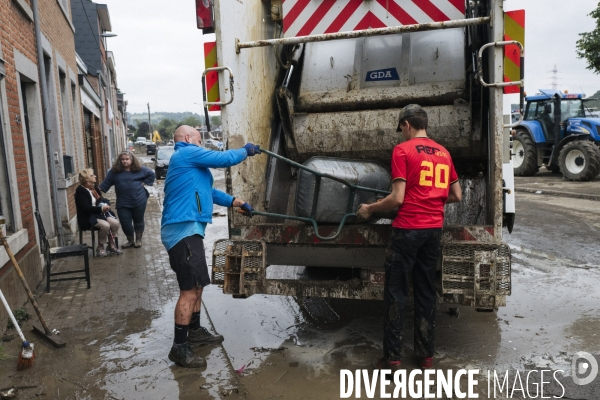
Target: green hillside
156,117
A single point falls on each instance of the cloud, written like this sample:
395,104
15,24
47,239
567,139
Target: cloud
159,50
552,28
159,53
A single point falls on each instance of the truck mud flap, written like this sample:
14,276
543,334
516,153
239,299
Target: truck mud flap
476,274
239,265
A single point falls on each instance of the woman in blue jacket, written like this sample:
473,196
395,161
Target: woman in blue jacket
129,178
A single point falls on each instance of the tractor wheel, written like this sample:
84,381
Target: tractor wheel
579,160
525,155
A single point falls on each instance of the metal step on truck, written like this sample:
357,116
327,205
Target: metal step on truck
321,83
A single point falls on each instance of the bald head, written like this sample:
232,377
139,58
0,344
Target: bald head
186,133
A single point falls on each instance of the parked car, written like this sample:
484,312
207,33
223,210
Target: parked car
161,161
213,144
150,148
171,143
140,141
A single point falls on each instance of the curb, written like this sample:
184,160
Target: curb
585,196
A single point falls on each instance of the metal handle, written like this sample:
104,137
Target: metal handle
323,175
521,118
520,83
319,175
308,221
480,66
217,103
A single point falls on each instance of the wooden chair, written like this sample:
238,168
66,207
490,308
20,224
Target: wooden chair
93,231
52,253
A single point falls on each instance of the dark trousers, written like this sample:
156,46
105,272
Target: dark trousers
132,219
410,253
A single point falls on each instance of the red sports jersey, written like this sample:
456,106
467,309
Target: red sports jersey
428,171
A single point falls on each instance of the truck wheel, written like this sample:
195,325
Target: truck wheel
579,160
525,155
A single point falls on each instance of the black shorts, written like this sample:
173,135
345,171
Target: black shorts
188,260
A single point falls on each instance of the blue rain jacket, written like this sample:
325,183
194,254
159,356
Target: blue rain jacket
189,192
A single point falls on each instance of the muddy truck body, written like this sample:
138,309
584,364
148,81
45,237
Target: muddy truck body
321,83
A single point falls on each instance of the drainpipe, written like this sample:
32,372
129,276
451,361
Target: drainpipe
45,106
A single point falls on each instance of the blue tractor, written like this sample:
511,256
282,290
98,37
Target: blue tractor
555,132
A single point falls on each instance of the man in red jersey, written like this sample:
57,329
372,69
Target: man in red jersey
423,181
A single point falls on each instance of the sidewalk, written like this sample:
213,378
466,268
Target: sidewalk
118,333
545,182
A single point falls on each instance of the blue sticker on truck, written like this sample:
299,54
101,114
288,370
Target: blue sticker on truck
388,74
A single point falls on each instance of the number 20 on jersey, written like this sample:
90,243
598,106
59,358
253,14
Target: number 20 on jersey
437,176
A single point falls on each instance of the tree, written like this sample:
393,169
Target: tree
131,129
191,121
588,46
143,129
166,127
215,120
166,122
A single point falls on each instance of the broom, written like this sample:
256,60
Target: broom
27,355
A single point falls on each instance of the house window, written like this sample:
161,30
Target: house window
79,165
67,122
87,124
5,201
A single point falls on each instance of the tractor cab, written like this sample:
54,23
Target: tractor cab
557,132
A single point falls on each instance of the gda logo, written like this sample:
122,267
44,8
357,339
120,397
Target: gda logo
584,368
388,74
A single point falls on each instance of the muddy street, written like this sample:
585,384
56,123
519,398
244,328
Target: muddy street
118,333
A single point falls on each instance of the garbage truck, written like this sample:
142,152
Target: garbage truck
319,85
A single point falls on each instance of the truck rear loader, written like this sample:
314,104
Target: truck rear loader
321,83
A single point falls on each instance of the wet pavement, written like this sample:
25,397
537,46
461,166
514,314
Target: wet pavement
550,183
119,332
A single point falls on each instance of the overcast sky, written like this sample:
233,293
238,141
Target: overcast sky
159,52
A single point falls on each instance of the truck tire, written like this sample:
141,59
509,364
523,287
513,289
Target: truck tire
525,155
579,160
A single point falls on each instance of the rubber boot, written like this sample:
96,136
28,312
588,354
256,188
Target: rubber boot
130,243
138,239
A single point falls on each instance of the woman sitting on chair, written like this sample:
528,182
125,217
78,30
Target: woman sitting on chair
94,211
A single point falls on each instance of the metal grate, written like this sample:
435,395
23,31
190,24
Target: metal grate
458,268
459,285
218,277
251,277
237,263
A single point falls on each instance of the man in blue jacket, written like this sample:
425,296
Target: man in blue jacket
187,208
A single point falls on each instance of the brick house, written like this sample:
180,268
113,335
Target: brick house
23,174
46,136
103,117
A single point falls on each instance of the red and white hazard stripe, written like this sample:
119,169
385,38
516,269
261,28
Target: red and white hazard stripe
313,17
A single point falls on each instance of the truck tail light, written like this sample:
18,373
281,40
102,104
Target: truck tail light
204,16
